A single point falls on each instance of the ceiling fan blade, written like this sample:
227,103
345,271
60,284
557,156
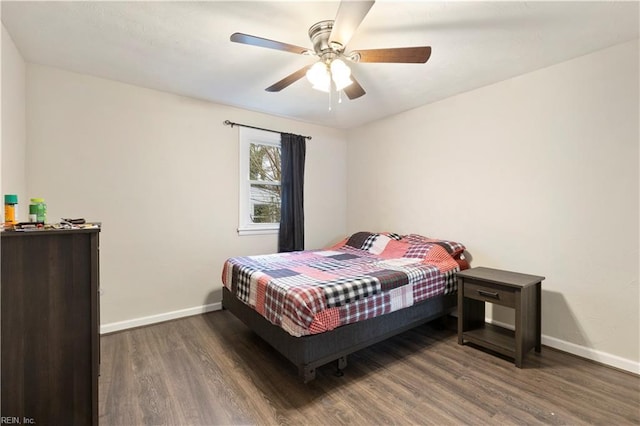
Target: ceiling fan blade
407,55
288,80
350,15
269,44
354,90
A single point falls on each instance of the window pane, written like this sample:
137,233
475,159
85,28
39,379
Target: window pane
264,163
260,176
265,203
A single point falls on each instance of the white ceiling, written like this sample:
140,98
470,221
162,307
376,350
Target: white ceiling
184,48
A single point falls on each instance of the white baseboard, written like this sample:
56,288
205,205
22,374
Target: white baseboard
153,319
572,348
583,351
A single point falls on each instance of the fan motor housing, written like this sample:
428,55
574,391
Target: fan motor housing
319,34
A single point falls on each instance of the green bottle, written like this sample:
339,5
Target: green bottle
39,208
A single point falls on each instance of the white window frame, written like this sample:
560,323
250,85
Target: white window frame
248,136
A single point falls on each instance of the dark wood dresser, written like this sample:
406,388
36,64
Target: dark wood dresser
50,318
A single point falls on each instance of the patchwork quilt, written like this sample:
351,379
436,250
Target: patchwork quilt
365,275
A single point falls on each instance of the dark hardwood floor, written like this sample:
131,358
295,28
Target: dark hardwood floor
211,370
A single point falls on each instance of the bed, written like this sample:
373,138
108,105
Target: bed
318,306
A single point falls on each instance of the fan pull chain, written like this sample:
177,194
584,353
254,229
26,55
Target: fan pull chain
330,97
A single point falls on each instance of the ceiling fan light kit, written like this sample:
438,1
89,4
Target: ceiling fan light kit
329,39
322,74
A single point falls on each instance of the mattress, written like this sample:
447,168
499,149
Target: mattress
364,276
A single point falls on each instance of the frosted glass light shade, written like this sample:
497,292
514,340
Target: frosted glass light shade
318,75
341,74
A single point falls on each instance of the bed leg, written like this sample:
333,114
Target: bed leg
341,365
342,362
307,373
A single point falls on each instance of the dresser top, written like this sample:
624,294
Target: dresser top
42,232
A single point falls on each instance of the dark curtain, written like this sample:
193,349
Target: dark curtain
292,154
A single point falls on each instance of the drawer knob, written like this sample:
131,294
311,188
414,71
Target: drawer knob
488,294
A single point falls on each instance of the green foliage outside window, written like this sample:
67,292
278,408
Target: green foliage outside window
264,175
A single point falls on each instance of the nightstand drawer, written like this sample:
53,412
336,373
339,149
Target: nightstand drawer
497,294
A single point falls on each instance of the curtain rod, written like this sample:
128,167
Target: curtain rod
231,123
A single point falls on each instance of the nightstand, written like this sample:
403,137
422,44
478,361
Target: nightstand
511,289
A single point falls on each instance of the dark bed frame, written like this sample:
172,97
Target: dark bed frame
310,352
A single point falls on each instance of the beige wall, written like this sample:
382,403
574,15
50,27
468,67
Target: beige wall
14,138
537,174
161,173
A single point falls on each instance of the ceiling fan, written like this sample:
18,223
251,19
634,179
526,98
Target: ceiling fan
329,39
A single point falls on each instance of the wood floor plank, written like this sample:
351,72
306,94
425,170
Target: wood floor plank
211,370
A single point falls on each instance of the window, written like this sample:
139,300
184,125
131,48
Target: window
259,182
